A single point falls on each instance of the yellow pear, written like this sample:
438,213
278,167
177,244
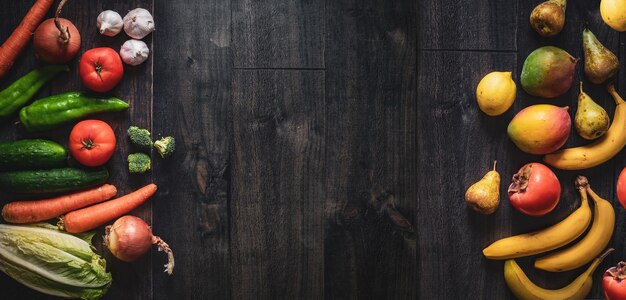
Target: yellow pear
484,195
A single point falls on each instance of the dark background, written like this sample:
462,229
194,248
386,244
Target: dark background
324,148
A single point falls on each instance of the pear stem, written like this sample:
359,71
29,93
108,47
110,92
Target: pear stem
494,164
581,87
616,97
561,3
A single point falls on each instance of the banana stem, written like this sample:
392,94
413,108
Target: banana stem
581,182
616,97
596,262
593,195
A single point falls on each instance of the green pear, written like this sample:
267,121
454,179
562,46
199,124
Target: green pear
591,119
600,63
484,195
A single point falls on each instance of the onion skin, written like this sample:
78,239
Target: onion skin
130,238
50,48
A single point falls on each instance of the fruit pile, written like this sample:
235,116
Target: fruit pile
543,129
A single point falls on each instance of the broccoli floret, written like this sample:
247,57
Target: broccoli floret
140,137
138,162
165,146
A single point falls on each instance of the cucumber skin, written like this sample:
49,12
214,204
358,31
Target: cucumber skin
31,155
51,181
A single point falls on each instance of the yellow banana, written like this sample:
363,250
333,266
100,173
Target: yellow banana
590,246
601,150
524,289
547,239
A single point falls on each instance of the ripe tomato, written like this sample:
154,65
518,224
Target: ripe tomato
535,190
614,282
101,69
92,142
621,188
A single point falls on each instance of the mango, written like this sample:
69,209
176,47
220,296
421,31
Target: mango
548,72
540,129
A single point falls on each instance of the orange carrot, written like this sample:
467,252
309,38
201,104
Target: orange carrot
91,217
20,37
40,210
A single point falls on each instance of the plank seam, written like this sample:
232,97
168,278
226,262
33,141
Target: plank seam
152,175
296,69
467,50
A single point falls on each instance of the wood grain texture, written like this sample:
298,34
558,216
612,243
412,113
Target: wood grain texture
301,127
471,24
279,34
192,103
450,236
369,247
278,183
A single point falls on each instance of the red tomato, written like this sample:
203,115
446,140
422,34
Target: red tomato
92,142
614,282
621,188
101,69
535,190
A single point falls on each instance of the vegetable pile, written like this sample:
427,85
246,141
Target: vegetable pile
582,239
66,181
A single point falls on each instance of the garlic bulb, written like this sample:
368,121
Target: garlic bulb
134,52
138,23
109,23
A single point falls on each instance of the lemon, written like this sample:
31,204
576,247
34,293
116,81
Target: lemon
495,93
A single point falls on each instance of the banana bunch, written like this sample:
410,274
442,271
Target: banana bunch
598,152
555,236
524,289
590,246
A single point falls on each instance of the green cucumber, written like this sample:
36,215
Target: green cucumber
31,155
51,181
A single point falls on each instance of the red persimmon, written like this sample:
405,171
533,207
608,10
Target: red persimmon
535,190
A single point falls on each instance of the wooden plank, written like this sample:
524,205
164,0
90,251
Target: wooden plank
278,184
474,24
371,190
192,103
457,145
278,34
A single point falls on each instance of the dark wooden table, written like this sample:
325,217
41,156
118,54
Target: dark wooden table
324,147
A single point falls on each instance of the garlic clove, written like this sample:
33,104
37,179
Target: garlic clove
138,23
134,52
109,23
